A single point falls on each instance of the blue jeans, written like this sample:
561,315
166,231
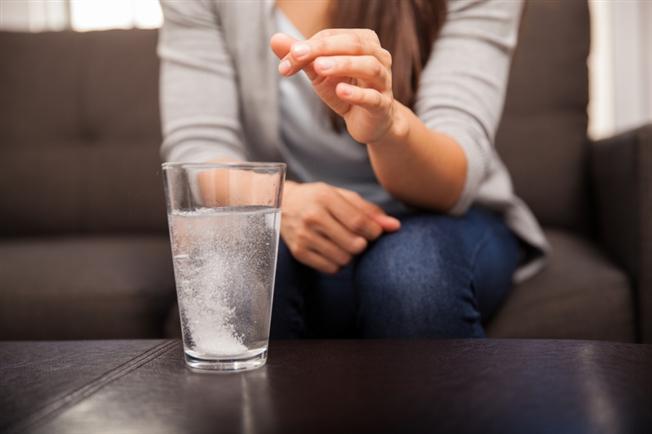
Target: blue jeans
439,276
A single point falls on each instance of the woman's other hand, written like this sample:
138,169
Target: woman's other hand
351,73
324,226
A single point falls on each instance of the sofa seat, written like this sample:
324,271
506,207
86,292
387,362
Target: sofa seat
581,294
80,287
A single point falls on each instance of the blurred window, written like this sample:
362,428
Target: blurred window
110,14
80,15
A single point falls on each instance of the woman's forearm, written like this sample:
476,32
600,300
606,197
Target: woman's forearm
417,165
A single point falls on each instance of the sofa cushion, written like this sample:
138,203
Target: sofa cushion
71,188
85,287
39,79
542,137
580,295
80,133
120,85
79,85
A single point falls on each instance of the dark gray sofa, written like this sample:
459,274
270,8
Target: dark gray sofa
83,241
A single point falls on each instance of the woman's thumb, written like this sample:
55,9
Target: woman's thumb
281,43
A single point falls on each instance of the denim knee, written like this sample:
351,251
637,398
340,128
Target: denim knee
416,283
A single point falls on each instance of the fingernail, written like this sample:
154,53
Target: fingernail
284,67
324,64
360,243
345,90
300,50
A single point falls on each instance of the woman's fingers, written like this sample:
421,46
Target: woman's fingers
367,68
355,219
317,261
348,226
317,251
281,44
335,231
325,226
384,56
303,53
388,223
363,33
369,99
328,249
314,235
367,35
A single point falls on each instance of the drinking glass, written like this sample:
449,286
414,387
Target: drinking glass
224,221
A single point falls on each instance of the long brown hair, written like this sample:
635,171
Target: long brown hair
407,28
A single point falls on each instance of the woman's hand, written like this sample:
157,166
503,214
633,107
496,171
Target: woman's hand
351,73
415,164
324,226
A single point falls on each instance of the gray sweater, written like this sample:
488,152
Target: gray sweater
220,96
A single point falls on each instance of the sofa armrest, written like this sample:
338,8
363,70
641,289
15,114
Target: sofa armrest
621,170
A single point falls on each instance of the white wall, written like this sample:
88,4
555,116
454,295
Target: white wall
105,14
620,65
40,15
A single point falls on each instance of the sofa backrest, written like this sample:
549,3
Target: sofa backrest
79,133
542,137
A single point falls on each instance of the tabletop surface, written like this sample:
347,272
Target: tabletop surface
484,386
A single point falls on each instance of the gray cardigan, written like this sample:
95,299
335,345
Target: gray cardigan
219,92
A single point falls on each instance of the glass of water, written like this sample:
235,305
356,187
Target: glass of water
224,221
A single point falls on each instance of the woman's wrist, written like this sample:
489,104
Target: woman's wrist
399,128
419,166
288,187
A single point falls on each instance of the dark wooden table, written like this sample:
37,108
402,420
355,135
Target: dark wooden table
479,386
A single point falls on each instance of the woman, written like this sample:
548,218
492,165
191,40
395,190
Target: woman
399,218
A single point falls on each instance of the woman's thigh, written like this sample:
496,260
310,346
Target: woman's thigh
438,276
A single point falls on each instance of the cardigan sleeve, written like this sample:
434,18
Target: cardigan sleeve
462,87
198,91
